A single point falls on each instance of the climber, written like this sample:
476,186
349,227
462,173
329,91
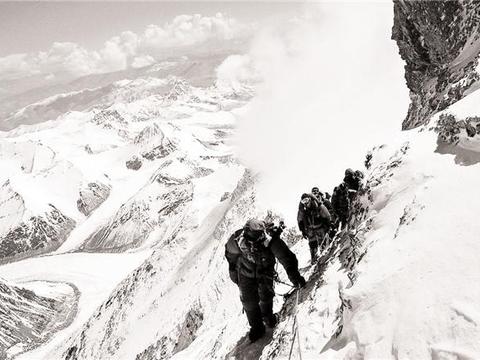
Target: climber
314,221
316,192
325,200
251,254
353,180
341,203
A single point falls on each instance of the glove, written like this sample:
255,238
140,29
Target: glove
301,282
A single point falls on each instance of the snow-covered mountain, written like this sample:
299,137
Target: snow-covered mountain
137,169
31,315
132,197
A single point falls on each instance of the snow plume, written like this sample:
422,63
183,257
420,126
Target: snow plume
333,88
128,49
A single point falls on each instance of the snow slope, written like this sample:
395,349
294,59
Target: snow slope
402,284
415,288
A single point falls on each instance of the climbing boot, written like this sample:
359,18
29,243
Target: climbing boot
256,333
271,321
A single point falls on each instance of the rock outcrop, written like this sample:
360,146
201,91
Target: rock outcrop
27,319
440,43
36,235
134,163
92,197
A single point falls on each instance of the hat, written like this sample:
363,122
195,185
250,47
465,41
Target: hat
348,172
254,229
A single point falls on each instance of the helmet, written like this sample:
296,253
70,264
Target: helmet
359,174
304,196
315,190
348,172
254,230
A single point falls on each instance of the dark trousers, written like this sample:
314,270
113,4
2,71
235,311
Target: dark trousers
256,295
316,239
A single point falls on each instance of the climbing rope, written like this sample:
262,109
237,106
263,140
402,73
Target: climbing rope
296,331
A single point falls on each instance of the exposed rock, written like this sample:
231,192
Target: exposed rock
131,226
12,208
226,195
27,319
166,347
440,43
109,119
92,197
159,151
134,163
149,133
37,235
202,171
88,149
112,120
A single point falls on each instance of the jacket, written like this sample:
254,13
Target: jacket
315,216
259,262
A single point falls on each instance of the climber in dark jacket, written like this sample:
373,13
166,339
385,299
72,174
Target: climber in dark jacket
325,200
353,179
341,203
314,222
251,255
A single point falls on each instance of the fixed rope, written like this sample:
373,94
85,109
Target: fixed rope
296,332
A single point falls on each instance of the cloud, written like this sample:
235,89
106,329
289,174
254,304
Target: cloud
141,61
128,49
333,88
236,70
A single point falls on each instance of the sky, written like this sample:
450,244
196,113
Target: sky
56,41
34,26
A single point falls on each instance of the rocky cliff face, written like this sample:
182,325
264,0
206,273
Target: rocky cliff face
27,235
440,43
27,319
92,196
35,236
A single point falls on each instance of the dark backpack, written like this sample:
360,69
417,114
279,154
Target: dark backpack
340,200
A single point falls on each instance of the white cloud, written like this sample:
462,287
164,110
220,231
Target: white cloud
333,88
237,69
13,66
125,50
141,61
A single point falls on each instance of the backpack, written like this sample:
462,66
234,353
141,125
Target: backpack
320,212
340,201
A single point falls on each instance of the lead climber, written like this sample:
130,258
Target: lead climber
251,253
